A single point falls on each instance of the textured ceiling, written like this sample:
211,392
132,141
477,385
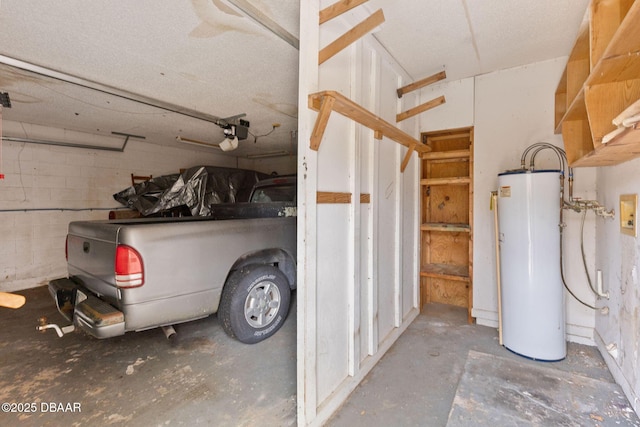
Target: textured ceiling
210,57
472,37
202,55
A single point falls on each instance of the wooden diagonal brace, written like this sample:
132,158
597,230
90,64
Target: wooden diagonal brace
338,8
351,36
407,157
420,108
422,83
321,122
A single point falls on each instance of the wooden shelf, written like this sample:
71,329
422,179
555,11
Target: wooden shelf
602,79
441,226
446,232
446,271
355,112
327,101
441,155
459,180
624,147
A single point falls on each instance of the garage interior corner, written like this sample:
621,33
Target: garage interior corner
430,377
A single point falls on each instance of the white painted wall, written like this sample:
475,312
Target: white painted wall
357,262
618,256
510,110
44,176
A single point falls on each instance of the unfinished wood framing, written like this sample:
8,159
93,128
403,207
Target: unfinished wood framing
422,83
325,102
332,197
420,108
338,8
351,36
407,157
324,112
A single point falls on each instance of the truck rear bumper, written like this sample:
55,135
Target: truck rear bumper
85,310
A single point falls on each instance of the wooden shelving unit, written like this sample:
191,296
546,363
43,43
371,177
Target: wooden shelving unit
447,213
600,81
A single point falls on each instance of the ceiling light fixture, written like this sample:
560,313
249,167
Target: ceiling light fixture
232,134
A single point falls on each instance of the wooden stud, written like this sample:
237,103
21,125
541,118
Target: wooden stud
337,9
321,122
377,134
420,108
422,83
354,34
332,197
365,198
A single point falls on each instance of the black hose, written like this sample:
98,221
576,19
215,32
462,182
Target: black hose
564,282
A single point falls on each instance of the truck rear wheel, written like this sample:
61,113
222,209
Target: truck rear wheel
254,303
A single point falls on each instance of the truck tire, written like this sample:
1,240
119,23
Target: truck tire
254,303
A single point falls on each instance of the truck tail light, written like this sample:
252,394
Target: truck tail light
129,267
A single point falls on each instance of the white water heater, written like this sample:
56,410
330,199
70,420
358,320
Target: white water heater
532,293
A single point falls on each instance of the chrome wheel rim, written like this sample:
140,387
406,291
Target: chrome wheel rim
262,304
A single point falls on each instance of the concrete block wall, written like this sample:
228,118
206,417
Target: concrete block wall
46,187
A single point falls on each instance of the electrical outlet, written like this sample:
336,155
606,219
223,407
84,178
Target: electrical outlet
628,217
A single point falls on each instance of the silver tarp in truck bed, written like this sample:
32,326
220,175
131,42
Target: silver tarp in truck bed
197,188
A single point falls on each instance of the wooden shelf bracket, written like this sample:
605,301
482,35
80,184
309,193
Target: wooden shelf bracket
327,101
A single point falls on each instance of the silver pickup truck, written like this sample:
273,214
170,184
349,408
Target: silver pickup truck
132,275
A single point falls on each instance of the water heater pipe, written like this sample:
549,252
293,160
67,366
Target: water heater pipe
576,205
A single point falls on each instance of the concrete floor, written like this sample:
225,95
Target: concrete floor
416,381
204,377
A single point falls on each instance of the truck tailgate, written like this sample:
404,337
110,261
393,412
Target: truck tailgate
91,248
